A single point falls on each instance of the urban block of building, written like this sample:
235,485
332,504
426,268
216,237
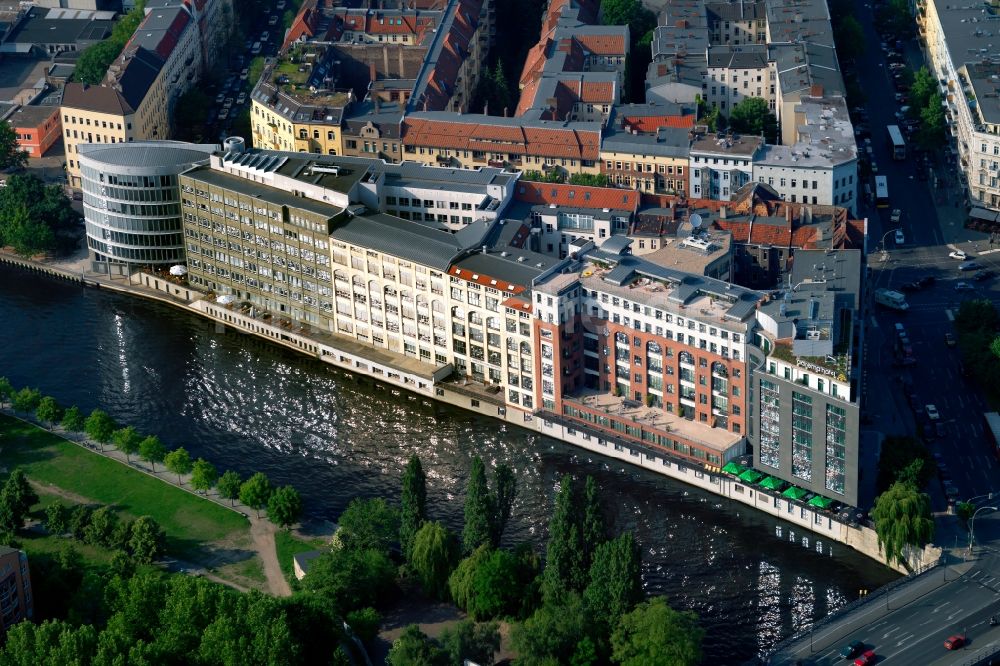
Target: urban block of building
36,127
16,596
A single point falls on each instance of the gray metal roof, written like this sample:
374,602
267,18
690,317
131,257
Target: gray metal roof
837,271
406,239
145,154
510,268
742,302
266,193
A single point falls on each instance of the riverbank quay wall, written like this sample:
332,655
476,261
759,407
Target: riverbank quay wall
811,527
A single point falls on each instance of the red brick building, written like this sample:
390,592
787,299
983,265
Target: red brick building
16,596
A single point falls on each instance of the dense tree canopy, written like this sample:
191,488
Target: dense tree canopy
654,634
100,427
351,579
615,579
35,217
897,454
95,60
179,462
369,523
434,554
152,450
413,504
127,441
752,116
284,507
256,491
479,509
902,516
11,155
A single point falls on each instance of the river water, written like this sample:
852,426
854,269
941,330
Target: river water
251,406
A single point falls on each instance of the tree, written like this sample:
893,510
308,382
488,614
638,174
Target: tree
654,634
565,561
619,12
752,116
79,518
368,523
147,540
255,491
615,579
73,420
99,427
16,500
709,115
415,648
849,37
902,516
229,486
284,507
56,518
923,86
127,441
152,450
11,155
413,504
468,640
965,511
505,484
94,62
434,554
552,632
48,410
899,452
592,528
931,134
479,509
27,400
101,527
591,179
203,475
122,564
179,462
6,390
351,578
364,623
486,584
28,235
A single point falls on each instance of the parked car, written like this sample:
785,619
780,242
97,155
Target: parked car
955,642
264,37
223,114
932,413
244,73
273,21
851,649
900,239
963,286
218,98
242,98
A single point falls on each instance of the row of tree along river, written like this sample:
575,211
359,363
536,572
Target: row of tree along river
249,405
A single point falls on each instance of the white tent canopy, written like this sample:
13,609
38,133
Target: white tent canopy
178,270
225,299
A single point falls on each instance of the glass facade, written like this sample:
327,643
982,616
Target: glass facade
770,419
802,436
836,449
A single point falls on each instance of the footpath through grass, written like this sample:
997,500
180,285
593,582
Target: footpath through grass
192,524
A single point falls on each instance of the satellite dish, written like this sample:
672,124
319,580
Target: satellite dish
695,221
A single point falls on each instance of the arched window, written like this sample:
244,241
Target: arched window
525,348
653,347
719,369
686,357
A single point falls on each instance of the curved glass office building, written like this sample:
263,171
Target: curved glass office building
131,202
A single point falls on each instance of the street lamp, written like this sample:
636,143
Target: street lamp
972,524
881,243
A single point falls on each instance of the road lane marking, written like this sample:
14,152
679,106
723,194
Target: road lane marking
956,614
941,606
905,639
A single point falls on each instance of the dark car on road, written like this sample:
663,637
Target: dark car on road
926,281
968,266
983,275
852,649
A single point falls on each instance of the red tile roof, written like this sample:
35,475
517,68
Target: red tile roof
556,142
605,45
578,196
649,124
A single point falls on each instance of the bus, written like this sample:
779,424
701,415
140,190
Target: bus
898,145
881,192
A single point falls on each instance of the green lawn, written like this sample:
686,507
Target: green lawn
191,523
288,545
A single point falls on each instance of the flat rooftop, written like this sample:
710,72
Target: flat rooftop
719,440
739,145
261,191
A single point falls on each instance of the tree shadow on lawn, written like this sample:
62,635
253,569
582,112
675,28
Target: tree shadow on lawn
22,453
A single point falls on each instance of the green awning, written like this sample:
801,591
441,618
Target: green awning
772,483
733,467
795,493
821,502
750,476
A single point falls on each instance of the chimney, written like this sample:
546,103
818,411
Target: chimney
486,108
723,211
385,59
402,74
505,112
816,91
371,72
788,214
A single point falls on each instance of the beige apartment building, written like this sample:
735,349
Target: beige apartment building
131,109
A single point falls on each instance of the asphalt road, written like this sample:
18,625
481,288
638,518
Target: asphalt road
908,626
